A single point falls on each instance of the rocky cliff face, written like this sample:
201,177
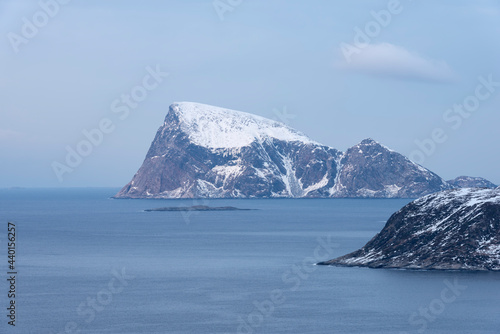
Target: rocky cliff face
208,152
456,229
471,182
370,169
203,151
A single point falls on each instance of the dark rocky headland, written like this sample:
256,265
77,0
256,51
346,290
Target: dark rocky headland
457,229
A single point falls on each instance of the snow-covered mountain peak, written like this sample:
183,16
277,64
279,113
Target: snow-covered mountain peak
370,145
369,141
215,127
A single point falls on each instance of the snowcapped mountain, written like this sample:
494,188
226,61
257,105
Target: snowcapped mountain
209,152
204,151
471,182
455,229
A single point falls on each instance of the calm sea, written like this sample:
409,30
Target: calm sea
89,264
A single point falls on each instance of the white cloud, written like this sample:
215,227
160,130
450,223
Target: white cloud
388,60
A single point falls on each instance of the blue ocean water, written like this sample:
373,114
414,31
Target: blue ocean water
90,264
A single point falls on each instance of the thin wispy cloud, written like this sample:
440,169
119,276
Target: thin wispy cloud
392,61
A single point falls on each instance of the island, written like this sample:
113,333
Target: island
203,151
456,229
198,208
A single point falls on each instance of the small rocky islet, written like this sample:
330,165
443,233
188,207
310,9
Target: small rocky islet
198,208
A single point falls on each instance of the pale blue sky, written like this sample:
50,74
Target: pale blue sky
264,56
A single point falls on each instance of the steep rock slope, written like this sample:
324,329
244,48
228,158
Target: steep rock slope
370,169
211,152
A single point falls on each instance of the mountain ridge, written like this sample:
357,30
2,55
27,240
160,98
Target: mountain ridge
202,151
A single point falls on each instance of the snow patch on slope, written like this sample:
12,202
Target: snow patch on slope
319,185
463,198
292,184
